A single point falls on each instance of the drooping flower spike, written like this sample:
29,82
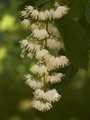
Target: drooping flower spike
43,40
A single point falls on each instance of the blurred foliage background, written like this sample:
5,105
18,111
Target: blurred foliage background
15,96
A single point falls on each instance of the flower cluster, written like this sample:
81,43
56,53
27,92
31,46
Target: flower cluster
30,13
43,40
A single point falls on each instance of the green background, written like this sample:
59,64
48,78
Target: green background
15,96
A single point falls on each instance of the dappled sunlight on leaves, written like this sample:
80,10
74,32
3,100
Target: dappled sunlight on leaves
80,79
7,23
15,118
25,105
3,51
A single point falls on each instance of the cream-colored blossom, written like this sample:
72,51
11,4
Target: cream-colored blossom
39,93
30,47
55,78
56,62
34,69
42,54
50,63
40,105
34,26
30,55
29,8
24,43
37,47
26,22
52,29
61,61
41,16
50,95
64,9
51,12
33,83
41,70
54,44
23,14
40,34
36,33
35,14
33,46
23,53
60,11
47,14
64,61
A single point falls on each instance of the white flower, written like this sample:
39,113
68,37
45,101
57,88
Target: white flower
37,47
55,78
42,70
40,34
23,13
33,46
26,22
36,33
39,69
60,11
64,61
61,61
34,26
33,83
41,54
54,44
28,76
43,34
29,8
30,55
50,63
39,93
35,14
23,53
50,96
51,13
40,105
30,47
59,45
57,14
53,30
35,69
47,14
63,9
56,62
41,16
24,43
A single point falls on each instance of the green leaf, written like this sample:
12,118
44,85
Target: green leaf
83,22
70,73
77,8
87,29
75,41
87,12
41,2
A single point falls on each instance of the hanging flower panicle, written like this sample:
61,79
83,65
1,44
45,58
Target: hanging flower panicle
44,38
